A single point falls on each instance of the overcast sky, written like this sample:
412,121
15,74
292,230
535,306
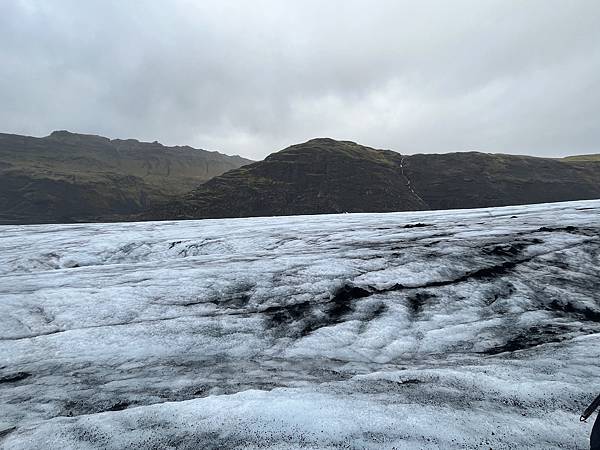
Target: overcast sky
252,77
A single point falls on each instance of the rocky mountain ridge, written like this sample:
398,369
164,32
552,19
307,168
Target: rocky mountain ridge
328,176
69,177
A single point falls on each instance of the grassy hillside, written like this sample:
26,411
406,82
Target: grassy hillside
328,176
578,158
319,176
473,179
69,177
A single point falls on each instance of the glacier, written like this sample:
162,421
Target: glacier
445,329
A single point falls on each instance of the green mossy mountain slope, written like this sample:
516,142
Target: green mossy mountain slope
328,176
67,177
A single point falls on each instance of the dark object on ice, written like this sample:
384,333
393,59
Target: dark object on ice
416,225
595,436
590,409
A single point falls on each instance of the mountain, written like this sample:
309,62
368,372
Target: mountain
68,177
328,176
319,176
474,180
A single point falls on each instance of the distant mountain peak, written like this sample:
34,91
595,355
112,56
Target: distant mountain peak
322,146
321,175
327,140
65,135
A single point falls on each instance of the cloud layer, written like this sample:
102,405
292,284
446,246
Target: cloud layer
253,77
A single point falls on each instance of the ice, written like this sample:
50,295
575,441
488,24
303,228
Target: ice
447,329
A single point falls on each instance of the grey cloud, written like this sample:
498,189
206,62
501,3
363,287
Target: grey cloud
253,77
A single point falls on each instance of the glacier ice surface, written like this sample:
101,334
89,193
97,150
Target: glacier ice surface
448,329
